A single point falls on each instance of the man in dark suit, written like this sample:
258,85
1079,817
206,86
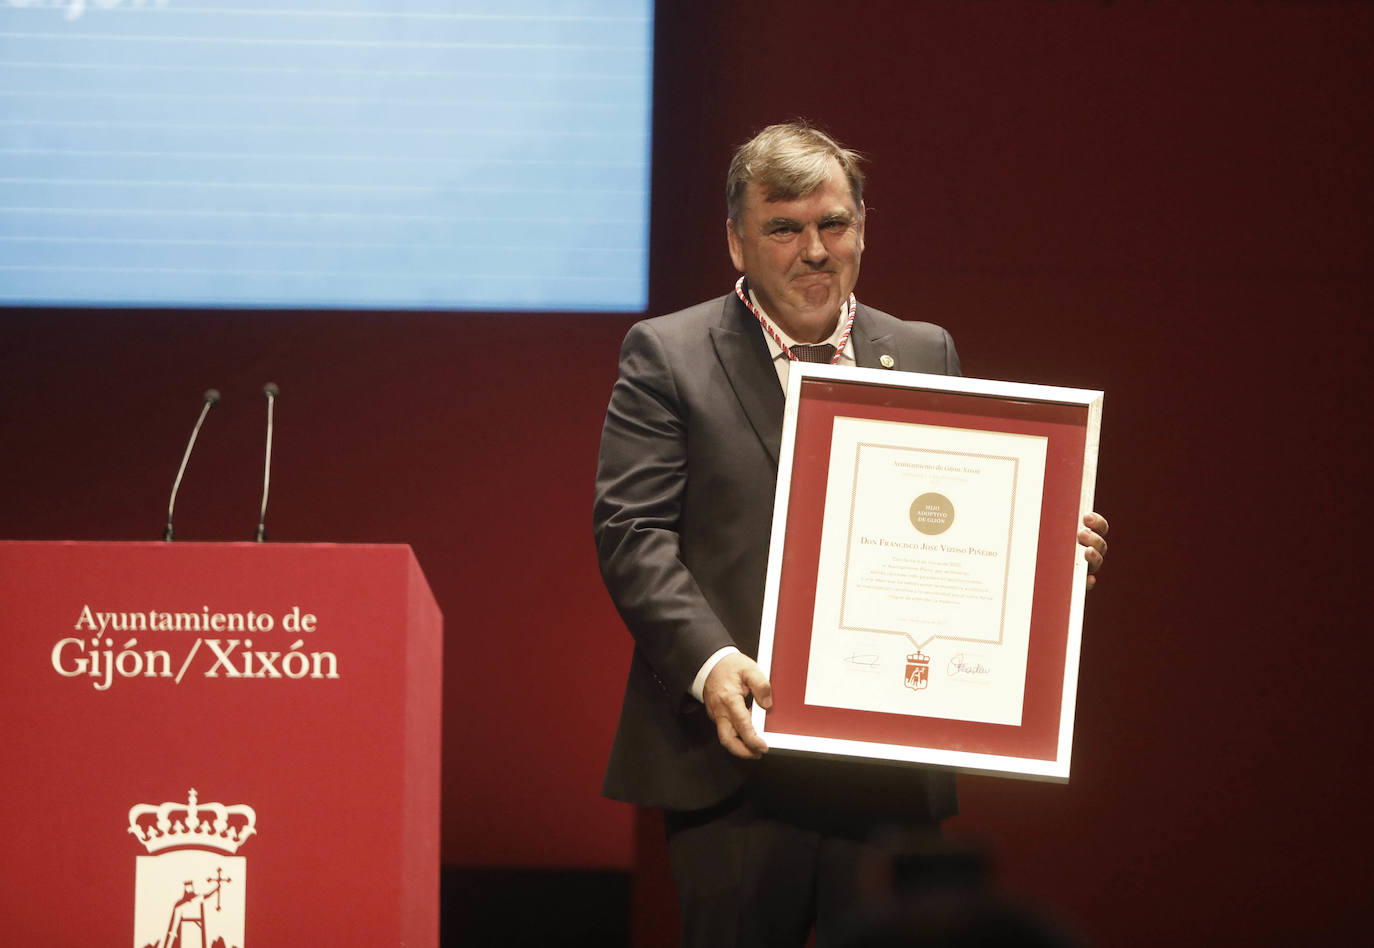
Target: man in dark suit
760,848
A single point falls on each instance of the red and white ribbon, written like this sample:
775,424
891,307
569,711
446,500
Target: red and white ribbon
768,327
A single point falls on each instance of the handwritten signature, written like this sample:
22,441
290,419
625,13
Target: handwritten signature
959,665
864,661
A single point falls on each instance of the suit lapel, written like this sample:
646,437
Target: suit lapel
869,348
744,356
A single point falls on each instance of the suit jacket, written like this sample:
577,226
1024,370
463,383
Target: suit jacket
683,511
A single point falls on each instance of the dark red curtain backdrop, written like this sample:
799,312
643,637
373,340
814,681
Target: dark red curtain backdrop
1171,202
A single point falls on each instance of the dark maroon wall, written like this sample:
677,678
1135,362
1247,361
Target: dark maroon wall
1171,202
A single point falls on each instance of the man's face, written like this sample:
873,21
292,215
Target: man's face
801,256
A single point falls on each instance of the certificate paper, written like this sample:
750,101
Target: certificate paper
924,596
928,546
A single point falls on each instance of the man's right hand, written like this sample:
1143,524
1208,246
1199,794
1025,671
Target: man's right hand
729,683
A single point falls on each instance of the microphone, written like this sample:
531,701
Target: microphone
271,391
211,397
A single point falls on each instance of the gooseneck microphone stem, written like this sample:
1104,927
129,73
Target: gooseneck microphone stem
271,391
211,397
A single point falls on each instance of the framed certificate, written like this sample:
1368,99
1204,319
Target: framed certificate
924,601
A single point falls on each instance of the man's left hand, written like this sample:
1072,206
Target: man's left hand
1093,537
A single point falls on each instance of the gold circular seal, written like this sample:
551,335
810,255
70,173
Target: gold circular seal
932,513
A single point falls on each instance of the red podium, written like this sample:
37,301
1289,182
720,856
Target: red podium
218,744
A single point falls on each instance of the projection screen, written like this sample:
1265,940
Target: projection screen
375,154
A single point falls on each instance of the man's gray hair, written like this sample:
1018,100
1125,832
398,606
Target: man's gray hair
788,161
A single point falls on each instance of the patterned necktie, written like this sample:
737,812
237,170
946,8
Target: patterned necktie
824,353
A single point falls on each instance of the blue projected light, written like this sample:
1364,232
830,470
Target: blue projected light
436,154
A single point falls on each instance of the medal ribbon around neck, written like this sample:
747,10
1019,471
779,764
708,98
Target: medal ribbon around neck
768,327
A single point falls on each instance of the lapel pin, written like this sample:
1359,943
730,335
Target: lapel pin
886,361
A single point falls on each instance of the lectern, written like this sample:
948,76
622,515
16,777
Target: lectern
218,745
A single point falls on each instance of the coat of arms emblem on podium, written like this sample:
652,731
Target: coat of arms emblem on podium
190,887
917,670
